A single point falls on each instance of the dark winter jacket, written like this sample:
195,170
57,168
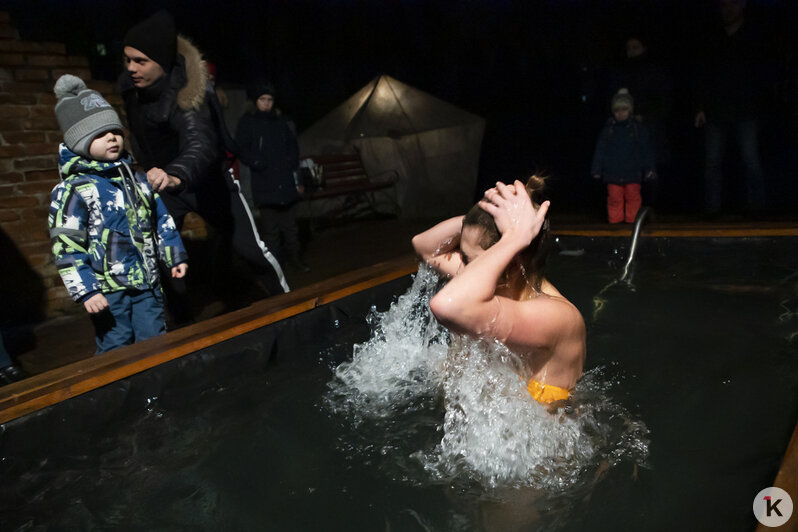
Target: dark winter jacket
624,152
171,124
650,85
735,76
268,146
108,229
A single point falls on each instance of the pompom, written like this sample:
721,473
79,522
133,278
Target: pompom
68,85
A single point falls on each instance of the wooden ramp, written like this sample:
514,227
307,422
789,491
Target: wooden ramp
59,384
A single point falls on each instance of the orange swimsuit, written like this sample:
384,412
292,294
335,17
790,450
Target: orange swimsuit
546,393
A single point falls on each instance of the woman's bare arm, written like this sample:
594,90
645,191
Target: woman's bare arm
439,245
468,303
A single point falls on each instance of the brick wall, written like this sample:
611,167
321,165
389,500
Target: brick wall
29,138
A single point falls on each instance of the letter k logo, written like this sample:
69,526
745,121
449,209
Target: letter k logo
772,506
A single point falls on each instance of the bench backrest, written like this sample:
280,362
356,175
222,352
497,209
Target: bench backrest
341,170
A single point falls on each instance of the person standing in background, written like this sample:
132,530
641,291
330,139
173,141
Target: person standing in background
645,76
267,145
730,99
624,157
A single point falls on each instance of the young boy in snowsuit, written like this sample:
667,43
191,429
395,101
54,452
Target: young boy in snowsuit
109,230
624,156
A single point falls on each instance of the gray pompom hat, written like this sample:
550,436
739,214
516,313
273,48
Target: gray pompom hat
82,114
622,98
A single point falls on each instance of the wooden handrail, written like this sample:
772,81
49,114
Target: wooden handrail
686,229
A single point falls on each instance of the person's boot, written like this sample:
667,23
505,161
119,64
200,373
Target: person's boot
297,263
11,374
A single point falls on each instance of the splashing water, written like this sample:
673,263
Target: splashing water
402,359
493,432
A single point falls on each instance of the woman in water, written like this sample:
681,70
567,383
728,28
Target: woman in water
495,255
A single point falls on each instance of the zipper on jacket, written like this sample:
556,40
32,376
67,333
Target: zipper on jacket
130,181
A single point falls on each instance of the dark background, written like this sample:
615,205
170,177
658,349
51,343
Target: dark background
535,70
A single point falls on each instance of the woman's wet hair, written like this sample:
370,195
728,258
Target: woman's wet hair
533,257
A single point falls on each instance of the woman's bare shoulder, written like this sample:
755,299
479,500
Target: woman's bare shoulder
540,322
559,309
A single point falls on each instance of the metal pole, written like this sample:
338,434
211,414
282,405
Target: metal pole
635,233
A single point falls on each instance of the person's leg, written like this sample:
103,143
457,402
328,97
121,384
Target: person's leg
9,372
177,300
225,209
747,134
5,358
632,201
270,223
715,137
290,231
147,314
247,243
614,203
220,255
113,327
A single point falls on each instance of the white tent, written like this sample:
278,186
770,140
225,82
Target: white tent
432,145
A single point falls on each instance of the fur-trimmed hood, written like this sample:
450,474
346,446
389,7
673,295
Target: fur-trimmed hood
192,95
172,110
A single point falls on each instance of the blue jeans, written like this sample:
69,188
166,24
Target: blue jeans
747,136
132,316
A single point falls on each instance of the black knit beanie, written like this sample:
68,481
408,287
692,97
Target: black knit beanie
256,90
156,38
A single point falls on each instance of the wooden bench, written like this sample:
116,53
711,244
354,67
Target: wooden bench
343,175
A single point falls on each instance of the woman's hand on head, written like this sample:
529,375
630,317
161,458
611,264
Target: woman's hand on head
512,210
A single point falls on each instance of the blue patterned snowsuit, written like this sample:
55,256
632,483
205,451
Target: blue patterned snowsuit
108,229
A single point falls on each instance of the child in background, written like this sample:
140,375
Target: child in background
624,156
109,230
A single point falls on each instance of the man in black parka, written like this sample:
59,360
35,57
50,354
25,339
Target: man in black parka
175,140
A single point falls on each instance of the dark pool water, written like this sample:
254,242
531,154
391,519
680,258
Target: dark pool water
700,348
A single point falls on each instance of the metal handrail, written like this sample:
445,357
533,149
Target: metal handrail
635,233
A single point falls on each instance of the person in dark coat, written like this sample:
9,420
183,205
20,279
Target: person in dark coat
733,88
268,146
624,156
652,86
175,139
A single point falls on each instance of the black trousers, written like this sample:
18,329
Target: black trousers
222,206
